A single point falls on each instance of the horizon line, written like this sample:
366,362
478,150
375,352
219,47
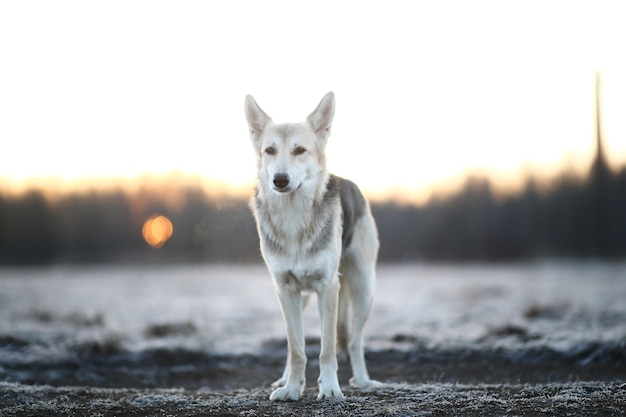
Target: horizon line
502,183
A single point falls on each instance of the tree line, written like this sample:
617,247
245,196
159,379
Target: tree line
571,218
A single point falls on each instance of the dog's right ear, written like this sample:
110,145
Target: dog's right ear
257,118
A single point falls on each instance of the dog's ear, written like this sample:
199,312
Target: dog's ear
322,117
257,118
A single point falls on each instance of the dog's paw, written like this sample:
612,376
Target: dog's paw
279,383
286,393
330,392
365,384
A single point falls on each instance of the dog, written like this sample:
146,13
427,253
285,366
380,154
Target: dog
317,235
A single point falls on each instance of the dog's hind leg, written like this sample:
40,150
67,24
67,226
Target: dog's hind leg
361,281
343,317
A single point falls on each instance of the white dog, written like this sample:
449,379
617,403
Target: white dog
317,234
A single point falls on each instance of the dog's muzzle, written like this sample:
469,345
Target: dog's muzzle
281,182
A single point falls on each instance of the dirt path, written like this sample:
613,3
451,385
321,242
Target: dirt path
590,399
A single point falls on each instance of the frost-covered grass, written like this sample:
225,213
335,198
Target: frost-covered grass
580,398
543,338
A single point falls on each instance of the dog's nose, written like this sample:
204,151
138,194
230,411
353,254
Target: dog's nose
281,180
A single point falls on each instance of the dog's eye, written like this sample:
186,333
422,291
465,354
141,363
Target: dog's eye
299,150
270,151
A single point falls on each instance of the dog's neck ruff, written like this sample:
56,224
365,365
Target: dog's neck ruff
303,219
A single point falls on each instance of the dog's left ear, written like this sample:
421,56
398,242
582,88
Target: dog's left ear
322,117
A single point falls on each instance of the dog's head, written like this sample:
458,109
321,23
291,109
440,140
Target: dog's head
290,155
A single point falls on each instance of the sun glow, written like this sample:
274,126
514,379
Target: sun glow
157,230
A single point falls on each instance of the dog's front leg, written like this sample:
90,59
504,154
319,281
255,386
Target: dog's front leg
291,306
328,299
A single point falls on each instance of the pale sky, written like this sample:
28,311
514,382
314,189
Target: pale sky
426,91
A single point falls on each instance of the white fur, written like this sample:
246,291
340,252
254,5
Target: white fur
294,153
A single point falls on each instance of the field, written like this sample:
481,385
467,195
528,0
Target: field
539,338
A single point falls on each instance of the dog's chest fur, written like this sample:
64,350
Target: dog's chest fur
296,230
297,224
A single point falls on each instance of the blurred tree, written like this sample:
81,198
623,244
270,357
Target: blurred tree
573,218
28,230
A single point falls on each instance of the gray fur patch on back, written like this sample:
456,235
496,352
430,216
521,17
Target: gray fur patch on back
352,206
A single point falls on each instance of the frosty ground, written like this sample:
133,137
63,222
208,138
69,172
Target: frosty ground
541,338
